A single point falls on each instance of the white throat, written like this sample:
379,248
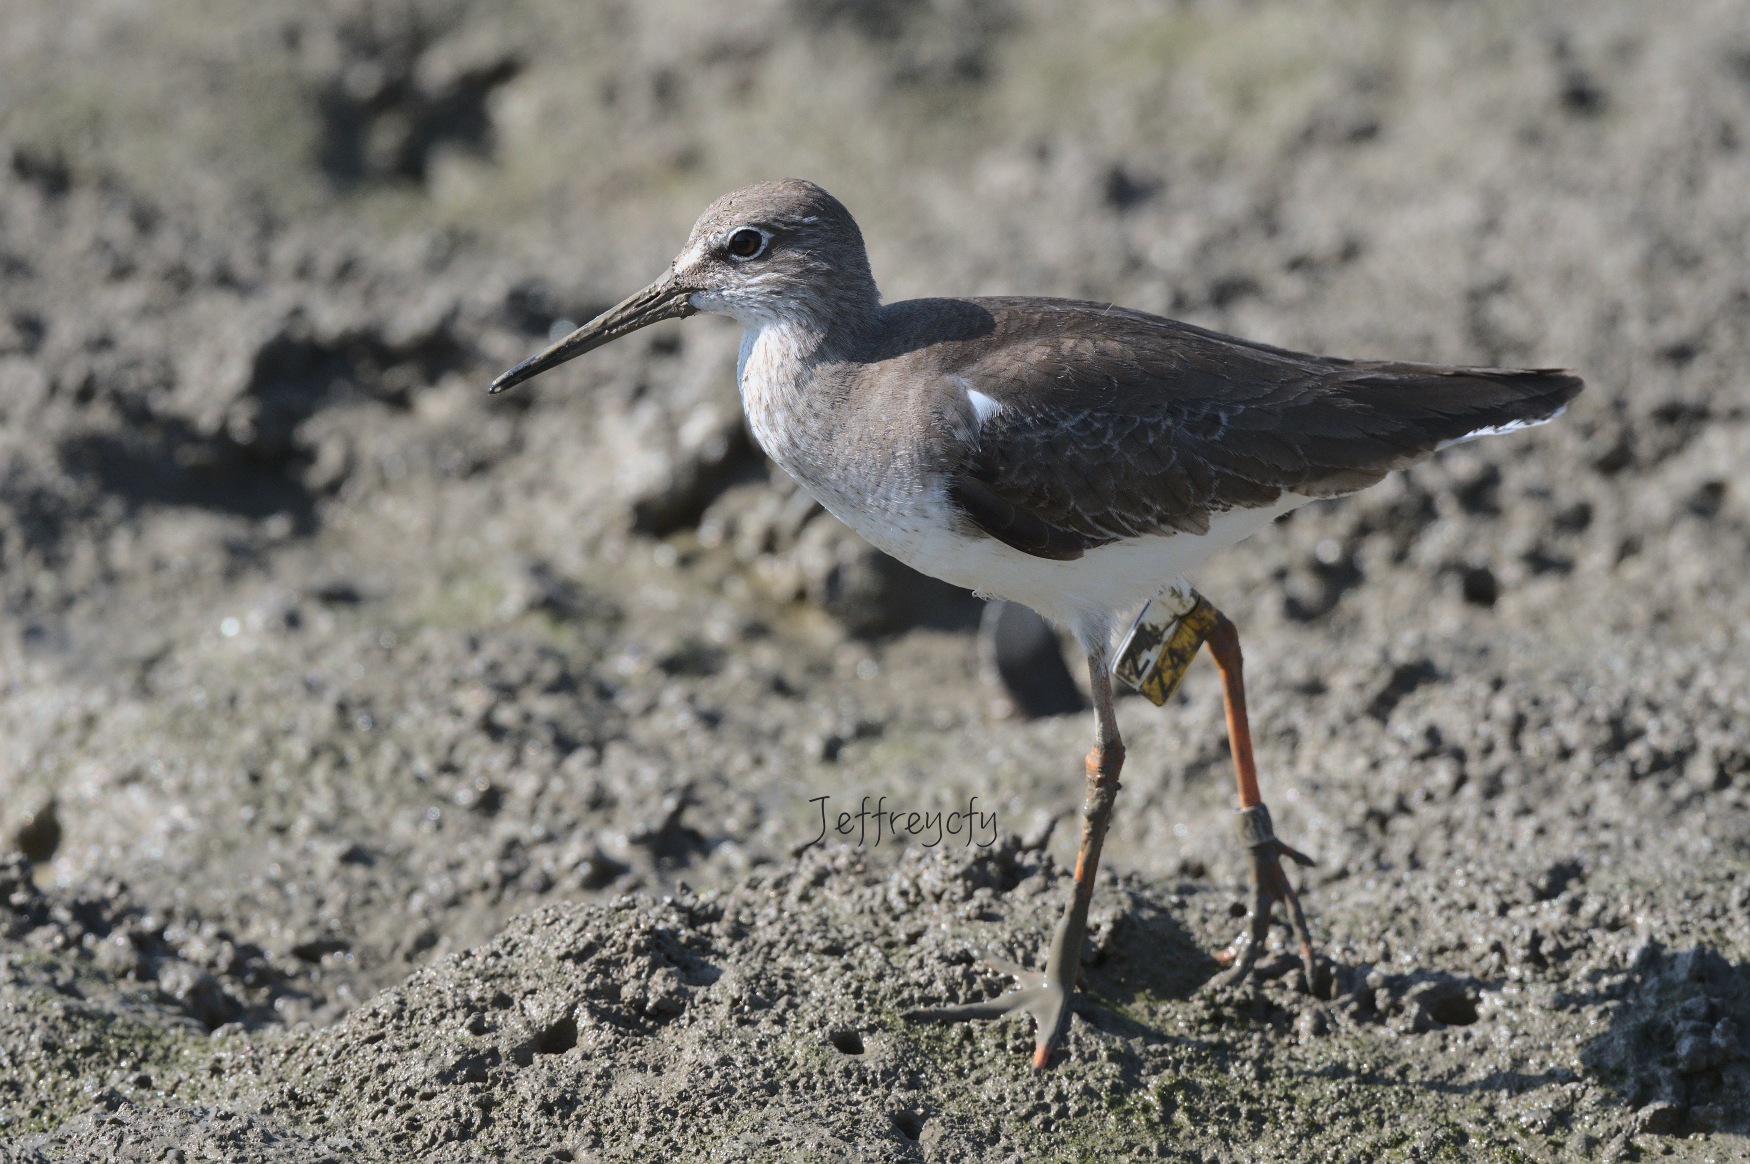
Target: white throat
770,370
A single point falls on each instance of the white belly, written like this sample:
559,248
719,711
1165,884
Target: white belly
1103,583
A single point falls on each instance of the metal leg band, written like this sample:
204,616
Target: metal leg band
1255,828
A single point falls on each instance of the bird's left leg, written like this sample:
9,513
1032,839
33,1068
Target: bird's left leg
1044,995
1269,882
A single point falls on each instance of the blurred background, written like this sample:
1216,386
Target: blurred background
316,662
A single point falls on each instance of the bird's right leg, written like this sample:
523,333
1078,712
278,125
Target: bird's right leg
1045,995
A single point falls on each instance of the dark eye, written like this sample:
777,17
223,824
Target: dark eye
746,243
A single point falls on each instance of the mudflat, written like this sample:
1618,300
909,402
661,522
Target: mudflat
392,772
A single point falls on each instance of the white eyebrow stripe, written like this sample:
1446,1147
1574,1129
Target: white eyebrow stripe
983,407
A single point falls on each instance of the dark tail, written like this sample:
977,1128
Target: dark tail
1371,418
1536,396
1437,407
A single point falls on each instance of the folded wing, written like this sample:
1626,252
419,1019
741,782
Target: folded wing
1101,424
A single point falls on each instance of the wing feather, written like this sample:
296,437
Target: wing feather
1112,424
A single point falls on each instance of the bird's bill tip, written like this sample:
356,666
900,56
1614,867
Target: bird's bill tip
663,299
510,379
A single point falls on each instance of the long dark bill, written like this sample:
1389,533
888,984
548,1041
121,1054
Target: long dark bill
663,299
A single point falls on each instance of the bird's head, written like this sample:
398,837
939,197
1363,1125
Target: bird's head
775,252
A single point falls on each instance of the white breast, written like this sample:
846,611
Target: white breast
871,484
768,371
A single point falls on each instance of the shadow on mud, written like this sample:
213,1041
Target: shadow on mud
258,459
172,465
1146,958
391,103
1677,1049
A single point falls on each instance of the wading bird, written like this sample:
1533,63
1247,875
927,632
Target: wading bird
1076,457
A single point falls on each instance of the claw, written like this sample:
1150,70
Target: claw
1269,885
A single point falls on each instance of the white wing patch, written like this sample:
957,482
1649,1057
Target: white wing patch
983,407
1498,429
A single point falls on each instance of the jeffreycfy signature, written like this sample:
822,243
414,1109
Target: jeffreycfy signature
932,827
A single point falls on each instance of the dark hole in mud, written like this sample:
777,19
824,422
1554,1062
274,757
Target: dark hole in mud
337,593
316,949
598,870
48,172
1236,909
1230,289
532,307
1315,593
848,1041
694,659
1575,518
1679,353
1480,587
1455,1009
1680,413
1405,679
1581,95
40,836
670,841
1541,563
1481,493
561,1036
21,331
1557,878
877,21
1124,190
1707,499
909,1124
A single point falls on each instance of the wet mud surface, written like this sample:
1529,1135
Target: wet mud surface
387,771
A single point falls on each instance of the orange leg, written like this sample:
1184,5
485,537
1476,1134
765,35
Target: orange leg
1264,852
1044,995
1224,648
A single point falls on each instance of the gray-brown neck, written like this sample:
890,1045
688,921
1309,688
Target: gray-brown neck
791,374
832,310
788,336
